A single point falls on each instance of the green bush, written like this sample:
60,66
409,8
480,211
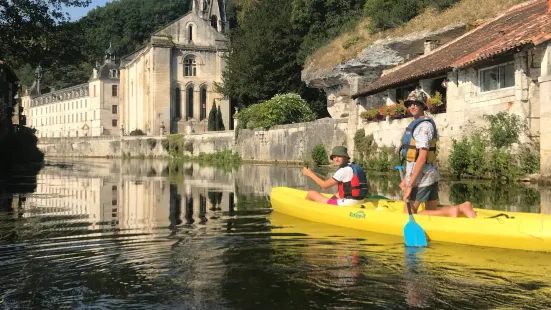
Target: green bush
529,159
459,156
365,145
501,165
478,156
349,42
136,132
212,117
176,145
221,157
490,154
281,109
218,121
319,155
386,14
504,129
385,159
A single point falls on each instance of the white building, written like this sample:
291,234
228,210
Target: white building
89,109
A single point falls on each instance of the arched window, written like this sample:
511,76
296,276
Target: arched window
203,94
178,103
189,102
214,21
190,33
190,68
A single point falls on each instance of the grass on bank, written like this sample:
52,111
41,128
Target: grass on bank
349,44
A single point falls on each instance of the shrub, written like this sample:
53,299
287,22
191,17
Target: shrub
351,41
281,109
529,159
212,117
364,144
501,165
478,156
504,129
490,155
459,156
218,121
383,160
386,14
319,155
175,145
136,132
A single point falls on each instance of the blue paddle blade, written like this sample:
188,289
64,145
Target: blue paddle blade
414,235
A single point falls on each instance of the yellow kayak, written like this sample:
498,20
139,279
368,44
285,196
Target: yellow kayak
533,265
510,230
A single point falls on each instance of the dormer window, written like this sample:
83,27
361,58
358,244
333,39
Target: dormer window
113,73
190,67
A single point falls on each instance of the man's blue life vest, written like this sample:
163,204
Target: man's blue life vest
409,149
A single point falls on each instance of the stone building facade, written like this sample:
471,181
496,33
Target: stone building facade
482,72
89,109
168,85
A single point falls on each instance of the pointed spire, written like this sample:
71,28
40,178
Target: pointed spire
110,53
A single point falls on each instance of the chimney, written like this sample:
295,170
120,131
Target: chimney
430,45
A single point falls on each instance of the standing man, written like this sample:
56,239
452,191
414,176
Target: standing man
419,150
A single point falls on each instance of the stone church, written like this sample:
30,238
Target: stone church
168,85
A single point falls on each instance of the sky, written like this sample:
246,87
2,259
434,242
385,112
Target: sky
76,13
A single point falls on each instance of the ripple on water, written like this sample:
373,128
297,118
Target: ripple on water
242,258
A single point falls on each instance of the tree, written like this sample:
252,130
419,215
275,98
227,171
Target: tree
212,117
219,122
319,21
262,61
76,46
37,31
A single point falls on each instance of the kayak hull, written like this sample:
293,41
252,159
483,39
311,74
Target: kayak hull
510,230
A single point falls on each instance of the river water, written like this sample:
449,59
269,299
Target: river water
145,234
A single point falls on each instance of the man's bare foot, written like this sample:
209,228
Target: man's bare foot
467,209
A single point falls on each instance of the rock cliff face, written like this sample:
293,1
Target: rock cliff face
370,64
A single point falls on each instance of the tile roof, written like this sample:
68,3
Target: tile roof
528,23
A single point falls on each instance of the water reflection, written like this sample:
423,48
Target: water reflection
152,234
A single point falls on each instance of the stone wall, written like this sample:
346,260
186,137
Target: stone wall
290,143
103,147
211,142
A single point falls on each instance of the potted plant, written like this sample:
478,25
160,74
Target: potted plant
398,110
384,111
436,104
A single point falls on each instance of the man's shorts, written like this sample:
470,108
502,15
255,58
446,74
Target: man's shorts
425,193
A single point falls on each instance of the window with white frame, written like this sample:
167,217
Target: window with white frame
497,77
